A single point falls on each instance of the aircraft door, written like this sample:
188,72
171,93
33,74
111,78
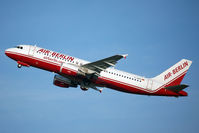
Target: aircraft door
149,84
31,50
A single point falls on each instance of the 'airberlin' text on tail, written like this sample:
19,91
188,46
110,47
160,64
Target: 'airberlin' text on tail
176,70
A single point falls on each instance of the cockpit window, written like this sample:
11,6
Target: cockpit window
19,47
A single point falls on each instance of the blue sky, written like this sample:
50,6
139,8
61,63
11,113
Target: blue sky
156,34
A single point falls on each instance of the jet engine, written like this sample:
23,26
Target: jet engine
63,82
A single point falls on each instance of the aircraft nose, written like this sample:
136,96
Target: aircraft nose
7,51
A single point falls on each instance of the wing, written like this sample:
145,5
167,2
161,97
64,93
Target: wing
100,65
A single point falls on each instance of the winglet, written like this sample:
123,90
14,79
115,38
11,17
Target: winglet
125,55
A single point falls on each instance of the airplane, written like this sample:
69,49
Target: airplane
73,72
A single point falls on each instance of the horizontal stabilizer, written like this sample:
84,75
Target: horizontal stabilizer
176,88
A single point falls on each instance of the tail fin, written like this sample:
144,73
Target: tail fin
174,75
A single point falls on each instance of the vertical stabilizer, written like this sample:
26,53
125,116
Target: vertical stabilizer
175,74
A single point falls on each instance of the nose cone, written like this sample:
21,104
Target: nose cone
7,51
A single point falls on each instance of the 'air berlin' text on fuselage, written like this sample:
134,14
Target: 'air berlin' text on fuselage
54,54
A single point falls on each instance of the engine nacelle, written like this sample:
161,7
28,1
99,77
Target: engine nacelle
63,82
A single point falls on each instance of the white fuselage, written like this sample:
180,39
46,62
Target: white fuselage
110,77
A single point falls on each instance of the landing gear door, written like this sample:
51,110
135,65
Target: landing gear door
31,50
